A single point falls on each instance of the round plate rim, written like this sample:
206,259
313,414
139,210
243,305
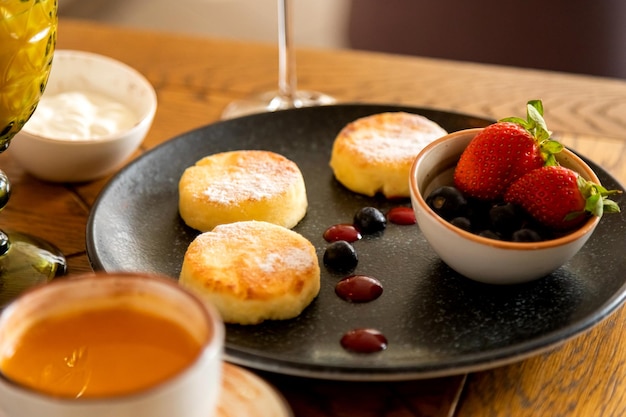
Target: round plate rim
475,362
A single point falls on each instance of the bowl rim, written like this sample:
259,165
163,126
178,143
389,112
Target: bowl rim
568,238
146,117
210,347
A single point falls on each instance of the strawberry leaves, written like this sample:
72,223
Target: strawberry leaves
536,125
596,198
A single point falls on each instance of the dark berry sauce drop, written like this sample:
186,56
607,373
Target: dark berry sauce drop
401,215
346,232
364,341
359,288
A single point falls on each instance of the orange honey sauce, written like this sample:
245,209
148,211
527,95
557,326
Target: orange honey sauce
101,352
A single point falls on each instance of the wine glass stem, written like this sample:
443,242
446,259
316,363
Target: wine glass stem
287,80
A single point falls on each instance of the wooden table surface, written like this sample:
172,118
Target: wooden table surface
196,78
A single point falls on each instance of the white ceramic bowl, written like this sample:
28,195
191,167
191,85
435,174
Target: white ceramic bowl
193,391
479,258
63,160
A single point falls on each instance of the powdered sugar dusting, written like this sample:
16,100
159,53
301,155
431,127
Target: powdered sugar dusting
292,259
278,254
385,147
393,145
249,179
393,136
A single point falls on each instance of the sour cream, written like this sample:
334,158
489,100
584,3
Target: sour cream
79,115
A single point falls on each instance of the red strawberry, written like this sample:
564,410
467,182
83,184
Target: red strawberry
559,198
503,152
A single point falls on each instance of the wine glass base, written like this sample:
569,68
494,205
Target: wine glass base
273,101
27,262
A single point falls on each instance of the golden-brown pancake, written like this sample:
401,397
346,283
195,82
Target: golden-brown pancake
242,185
252,271
374,154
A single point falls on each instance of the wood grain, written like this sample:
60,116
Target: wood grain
585,377
196,78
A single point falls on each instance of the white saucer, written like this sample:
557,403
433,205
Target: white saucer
246,394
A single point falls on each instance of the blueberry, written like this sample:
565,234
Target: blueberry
505,218
478,213
526,235
340,256
369,220
448,202
462,223
490,234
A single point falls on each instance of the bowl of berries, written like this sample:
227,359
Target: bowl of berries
506,204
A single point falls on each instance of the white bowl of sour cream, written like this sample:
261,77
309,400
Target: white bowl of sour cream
93,115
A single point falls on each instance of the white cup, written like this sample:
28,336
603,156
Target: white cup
192,392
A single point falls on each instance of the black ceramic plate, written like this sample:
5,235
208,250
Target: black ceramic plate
437,322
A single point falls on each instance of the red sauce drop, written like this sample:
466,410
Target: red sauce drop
346,232
359,288
401,215
364,341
